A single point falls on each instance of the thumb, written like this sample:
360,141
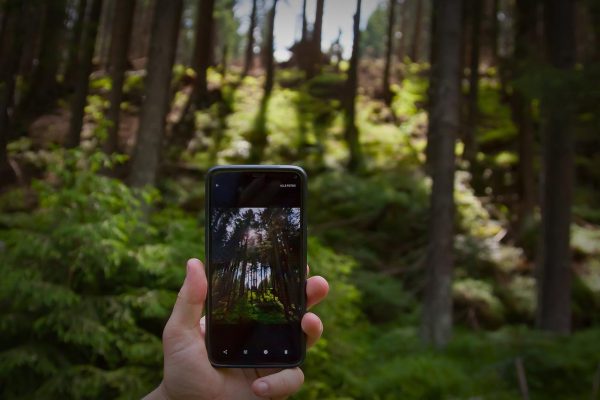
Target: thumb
190,300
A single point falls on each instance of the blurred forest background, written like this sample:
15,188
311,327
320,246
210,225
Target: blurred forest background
453,150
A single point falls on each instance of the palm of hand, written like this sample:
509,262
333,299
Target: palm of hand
188,373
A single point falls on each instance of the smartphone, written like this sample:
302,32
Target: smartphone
256,263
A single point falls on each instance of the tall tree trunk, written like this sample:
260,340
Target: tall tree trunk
351,132
258,138
387,93
315,54
34,12
105,28
554,306
436,326
119,48
165,29
525,52
249,59
433,51
304,23
184,131
74,43
416,39
470,145
268,52
44,85
13,23
494,33
203,50
142,26
79,99
318,27
401,52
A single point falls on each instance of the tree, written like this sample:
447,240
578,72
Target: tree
436,324
416,39
401,52
105,28
470,140
202,51
43,90
258,137
165,29
304,37
317,34
142,26
387,93
554,304
351,132
13,23
119,48
521,108
74,42
201,59
269,61
494,33
88,44
249,59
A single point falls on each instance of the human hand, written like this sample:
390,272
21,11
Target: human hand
188,373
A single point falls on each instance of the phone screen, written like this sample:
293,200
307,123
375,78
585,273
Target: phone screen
257,267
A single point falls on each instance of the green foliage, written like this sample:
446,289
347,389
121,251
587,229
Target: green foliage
87,286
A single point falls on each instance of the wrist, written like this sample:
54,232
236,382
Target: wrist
159,393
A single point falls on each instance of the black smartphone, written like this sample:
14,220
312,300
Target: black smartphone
256,262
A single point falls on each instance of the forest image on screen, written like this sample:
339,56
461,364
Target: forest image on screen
255,260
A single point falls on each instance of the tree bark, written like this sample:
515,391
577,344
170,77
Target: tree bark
249,59
416,39
34,12
351,132
436,325
470,145
105,28
525,51
203,51
387,93
494,33
201,60
74,43
554,307
258,139
13,23
79,99
317,34
316,56
165,29
433,50
268,52
142,26
44,86
304,23
119,48
401,52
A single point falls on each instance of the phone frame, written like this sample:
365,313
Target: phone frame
303,271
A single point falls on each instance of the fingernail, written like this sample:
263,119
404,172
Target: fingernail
262,388
187,268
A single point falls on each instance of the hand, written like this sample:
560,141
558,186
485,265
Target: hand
187,372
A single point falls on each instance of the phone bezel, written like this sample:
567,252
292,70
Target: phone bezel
208,187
